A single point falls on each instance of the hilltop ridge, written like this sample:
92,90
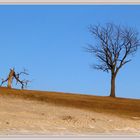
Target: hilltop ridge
118,106
56,113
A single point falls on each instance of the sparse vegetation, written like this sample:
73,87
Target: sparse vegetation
118,106
67,118
24,112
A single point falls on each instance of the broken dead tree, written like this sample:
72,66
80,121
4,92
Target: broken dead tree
13,75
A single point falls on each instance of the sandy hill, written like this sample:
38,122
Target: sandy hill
41,112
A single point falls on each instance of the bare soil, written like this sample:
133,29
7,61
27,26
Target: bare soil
54,113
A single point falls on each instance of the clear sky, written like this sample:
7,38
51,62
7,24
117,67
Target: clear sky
48,40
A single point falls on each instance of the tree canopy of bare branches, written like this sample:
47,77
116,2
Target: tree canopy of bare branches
114,47
13,75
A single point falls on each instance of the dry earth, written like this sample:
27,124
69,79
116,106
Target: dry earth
51,113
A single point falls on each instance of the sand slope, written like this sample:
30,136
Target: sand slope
49,113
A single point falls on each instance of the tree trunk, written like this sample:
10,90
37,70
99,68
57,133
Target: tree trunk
9,82
112,91
10,78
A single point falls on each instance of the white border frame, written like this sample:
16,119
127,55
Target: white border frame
73,2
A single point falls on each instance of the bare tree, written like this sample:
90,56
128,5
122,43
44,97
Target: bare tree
114,47
13,75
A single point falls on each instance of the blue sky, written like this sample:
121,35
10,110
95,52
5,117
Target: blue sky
48,40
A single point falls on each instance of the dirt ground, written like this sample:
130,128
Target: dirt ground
20,116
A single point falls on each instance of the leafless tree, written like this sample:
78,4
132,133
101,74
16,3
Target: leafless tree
114,48
13,75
